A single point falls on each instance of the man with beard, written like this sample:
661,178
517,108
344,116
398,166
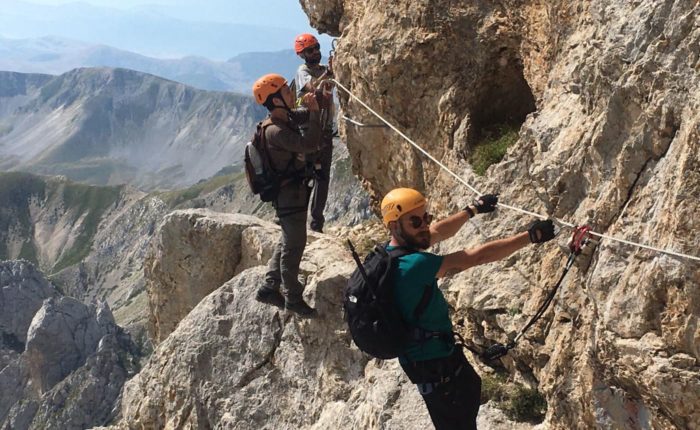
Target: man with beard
449,385
313,78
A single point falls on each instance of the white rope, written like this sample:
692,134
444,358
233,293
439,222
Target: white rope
359,124
350,120
459,179
415,145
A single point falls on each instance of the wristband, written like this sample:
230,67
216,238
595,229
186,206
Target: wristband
470,211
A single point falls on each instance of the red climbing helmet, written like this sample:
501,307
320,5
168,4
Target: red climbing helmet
304,41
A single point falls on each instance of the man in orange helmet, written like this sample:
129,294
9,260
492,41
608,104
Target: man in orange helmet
447,382
311,78
288,148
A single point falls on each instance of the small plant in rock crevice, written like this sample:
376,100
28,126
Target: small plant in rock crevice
492,146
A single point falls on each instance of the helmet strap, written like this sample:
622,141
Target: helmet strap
270,105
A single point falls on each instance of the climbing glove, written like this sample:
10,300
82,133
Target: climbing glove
541,231
486,203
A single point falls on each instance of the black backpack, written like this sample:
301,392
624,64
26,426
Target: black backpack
262,178
375,323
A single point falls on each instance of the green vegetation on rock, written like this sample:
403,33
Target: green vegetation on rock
177,197
16,190
492,147
519,403
90,202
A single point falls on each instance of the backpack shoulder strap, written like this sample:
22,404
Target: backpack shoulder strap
424,300
427,290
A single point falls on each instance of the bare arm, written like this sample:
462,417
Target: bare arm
486,253
448,227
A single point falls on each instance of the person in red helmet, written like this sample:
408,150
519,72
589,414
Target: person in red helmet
313,78
287,147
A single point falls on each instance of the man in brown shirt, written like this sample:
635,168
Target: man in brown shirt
288,147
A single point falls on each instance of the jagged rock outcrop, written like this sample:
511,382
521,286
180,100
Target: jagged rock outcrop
607,95
68,365
194,253
237,364
23,289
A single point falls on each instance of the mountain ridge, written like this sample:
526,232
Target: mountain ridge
111,126
52,55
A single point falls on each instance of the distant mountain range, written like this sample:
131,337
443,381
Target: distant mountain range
52,55
146,30
113,126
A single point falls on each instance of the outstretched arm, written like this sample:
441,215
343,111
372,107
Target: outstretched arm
448,227
540,231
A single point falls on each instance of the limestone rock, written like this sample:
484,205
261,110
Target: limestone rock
194,252
606,98
237,364
62,334
22,291
76,359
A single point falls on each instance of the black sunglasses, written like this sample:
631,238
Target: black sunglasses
311,49
417,222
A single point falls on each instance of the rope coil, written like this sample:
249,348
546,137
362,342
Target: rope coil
513,208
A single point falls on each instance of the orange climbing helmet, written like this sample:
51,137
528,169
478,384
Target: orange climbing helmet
304,41
267,85
400,201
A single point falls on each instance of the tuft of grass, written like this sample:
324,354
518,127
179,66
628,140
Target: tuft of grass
519,403
493,388
492,147
526,405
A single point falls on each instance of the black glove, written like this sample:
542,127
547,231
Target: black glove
486,203
541,231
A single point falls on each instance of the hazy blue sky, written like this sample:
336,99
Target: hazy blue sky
163,28
278,13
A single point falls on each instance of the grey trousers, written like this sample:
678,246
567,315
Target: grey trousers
320,191
283,267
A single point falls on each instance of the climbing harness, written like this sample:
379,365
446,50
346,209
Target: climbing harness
579,239
513,208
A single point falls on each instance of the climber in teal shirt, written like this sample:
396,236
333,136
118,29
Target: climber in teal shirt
415,272
449,385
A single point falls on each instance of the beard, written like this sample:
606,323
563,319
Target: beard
313,60
418,241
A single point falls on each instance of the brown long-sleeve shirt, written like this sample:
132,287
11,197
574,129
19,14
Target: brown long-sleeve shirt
285,143
287,147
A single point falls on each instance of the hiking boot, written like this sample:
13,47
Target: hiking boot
317,228
270,297
302,309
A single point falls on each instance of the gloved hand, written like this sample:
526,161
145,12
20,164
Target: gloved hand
486,203
541,231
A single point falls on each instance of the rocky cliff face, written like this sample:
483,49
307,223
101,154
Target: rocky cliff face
62,363
231,362
605,95
115,126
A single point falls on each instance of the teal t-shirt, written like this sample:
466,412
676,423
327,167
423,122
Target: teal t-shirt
415,271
